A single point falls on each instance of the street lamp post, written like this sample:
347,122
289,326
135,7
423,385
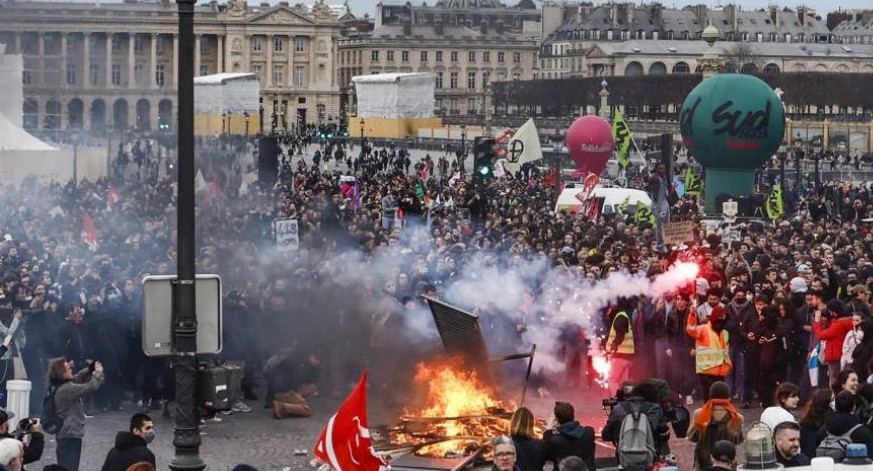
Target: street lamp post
362,134
246,117
186,429
223,122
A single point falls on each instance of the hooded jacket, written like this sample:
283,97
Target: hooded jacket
833,334
570,439
129,449
838,423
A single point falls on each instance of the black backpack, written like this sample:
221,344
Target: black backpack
51,421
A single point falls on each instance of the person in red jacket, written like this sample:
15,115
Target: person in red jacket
831,327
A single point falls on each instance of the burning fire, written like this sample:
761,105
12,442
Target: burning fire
462,412
601,367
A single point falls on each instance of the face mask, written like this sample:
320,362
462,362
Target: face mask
149,436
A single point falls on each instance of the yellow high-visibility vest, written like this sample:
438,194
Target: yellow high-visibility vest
626,346
712,355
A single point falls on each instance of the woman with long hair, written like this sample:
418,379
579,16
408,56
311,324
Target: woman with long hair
786,398
530,450
813,419
847,380
68,391
717,420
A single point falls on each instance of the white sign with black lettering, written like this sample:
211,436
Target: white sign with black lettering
287,236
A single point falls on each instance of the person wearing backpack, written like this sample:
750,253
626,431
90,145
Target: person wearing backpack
717,420
569,438
635,441
841,428
66,392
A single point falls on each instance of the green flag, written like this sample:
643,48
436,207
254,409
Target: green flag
622,207
622,136
693,185
419,192
644,214
774,203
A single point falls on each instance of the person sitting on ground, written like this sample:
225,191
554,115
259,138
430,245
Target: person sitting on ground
531,451
786,398
290,381
572,463
786,436
132,446
716,420
504,454
723,456
11,454
33,449
844,419
568,438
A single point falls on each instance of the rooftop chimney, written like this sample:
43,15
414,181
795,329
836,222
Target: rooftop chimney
483,26
774,15
498,27
407,28
438,26
731,12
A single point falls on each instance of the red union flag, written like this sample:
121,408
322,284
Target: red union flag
89,232
345,441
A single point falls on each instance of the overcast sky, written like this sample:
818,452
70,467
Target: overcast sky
359,7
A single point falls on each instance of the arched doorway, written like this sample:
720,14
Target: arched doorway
76,113
52,115
658,68
119,114
165,115
771,69
98,116
634,69
749,68
143,115
30,118
681,68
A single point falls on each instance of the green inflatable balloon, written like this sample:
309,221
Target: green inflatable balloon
731,124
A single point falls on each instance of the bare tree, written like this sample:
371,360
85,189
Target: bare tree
742,57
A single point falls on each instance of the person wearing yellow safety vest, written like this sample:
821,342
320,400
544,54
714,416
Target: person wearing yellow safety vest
620,343
711,352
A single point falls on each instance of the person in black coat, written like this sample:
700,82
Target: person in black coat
33,449
844,419
530,451
132,446
569,438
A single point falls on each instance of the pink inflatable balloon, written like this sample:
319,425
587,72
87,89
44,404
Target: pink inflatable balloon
589,140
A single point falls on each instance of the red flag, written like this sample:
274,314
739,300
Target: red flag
345,441
89,232
112,196
594,209
213,191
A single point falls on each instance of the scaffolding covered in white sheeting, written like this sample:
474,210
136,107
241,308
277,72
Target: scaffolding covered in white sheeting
409,95
227,93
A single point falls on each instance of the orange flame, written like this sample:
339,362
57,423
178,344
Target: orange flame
453,392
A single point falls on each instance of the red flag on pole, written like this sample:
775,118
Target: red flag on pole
89,232
345,441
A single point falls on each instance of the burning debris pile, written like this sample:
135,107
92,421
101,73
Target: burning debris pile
461,412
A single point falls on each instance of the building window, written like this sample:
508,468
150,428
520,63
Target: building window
389,55
204,70
278,44
204,45
300,76
486,78
137,43
299,44
438,103
471,56
471,106
453,80
453,106
423,56
257,44
258,70
374,56
278,75
70,47
25,77
439,56
137,70
116,74
500,56
93,71
160,74
454,56
160,45
516,57
404,56
516,77
486,57
471,80
116,43
439,80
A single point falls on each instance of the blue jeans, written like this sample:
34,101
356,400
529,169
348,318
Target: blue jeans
69,453
735,378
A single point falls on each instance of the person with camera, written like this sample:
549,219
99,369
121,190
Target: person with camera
131,447
642,399
32,449
68,391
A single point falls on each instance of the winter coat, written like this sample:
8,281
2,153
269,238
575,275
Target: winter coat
833,334
850,342
129,449
838,423
68,401
32,450
570,439
530,453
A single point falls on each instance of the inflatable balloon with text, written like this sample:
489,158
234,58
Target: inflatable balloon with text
589,140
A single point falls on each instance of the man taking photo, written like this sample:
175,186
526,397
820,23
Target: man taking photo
32,448
132,446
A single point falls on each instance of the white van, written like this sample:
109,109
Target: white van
609,198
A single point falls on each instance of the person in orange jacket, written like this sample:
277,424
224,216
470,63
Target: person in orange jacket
712,357
831,326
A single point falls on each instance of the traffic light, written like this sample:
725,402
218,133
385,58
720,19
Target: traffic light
483,158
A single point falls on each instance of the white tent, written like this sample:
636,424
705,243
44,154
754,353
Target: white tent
400,95
227,92
13,138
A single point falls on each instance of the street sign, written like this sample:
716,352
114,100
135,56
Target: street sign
287,234
675,233
157,319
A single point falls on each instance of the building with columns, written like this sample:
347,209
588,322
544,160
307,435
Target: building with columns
111,66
